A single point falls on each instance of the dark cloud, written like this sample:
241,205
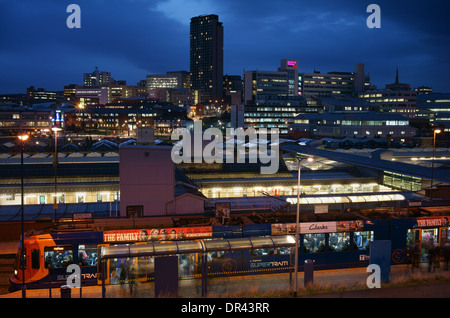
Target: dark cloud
133,38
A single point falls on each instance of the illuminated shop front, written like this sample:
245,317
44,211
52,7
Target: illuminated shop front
106,189
401,181
290,190
71,190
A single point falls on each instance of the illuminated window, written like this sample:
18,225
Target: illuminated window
339,242
58,256
313,243
362,239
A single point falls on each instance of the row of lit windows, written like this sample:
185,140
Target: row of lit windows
265,120
270,115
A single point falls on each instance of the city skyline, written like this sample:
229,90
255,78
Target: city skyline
132,39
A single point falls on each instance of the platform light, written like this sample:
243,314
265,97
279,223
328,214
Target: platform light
435,131
297,225
23,137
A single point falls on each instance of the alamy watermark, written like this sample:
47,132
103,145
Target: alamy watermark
74,279
373,20
374,279
250,144
74,19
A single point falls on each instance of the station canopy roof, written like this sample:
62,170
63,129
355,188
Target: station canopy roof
206,246
348,199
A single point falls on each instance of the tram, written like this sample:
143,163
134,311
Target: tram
334,244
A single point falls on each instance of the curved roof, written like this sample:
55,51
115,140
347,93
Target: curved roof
182,247
442,175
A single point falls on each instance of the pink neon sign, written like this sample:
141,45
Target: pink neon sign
292,63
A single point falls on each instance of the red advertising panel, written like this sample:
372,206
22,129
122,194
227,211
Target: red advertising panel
165,234
432,221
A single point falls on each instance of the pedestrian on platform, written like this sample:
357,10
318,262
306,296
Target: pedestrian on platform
131,276
123,274
431,258
446,255
415,256
437,256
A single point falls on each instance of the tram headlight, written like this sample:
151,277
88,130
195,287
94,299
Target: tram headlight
15,272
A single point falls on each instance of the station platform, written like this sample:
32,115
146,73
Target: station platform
278,285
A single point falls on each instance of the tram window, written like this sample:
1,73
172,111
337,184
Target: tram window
187,264
58,256
409,238
313,243
35,259
22,256
262,252
87,255
283,250
429,237
216,255
362,239
339,242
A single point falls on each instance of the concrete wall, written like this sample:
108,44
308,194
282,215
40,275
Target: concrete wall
186,204
147,178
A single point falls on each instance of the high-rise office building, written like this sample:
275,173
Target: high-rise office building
395,98
265,85
334,83
206,57
291,68
288,82
178,79
40,94
97,78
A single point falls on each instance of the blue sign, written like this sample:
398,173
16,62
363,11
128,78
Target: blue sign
380,254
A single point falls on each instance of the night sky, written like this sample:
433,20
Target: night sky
134,38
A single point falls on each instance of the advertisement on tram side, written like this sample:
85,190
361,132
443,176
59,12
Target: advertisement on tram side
318,227
433,221
163,234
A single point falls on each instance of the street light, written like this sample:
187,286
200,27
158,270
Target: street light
309,159
55,164
22,138
435,131
81,108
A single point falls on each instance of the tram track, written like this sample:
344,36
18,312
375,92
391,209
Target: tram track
6,270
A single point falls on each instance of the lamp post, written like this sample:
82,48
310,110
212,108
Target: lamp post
22,138
55,164
297,230
435,131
